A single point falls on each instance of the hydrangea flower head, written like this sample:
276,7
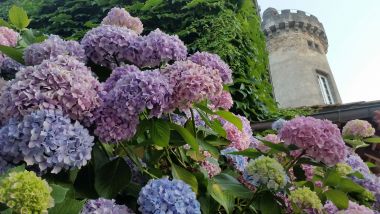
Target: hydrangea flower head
9,68
137,91
224,101
305,199
116,74
357,163
239,162
191,83
51,48
11,138
273,138
155,49
358,128
62,83
102,205
353,208
54,142
105,44
266,171
211,166
24,192
7,108
240,139
121,18
320,139
213,61
168,196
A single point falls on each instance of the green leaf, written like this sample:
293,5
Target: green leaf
186,135
370,165
223,198
232,186
149,4
59,193
85,182
112,177
347,185
356,174
332,179
160,132
339,198
13,53
186,176
5,23
276,147
268,204
231,118
214,125
251,153
372,140
67,206
355,143
18,17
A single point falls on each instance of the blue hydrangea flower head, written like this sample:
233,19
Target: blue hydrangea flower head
168,196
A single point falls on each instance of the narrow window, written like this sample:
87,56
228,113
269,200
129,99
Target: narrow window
310,43
325,89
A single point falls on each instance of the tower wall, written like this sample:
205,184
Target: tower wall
297,46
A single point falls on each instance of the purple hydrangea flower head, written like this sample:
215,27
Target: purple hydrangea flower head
358,128
168,196
372,183
191,83
111,127
116,74
215,62
353,208
121,18
320,139
357,163
137,91
7,109
63,83
238,161
102,205
9,68
156,48
54,142
278,124
51,48
224,101
105,44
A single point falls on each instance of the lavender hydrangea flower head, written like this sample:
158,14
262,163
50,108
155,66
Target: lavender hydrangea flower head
54,142
168,196
102,205
156,48
51,48
63,83
358,128
110,127
224,101
11,138
9,68
105,44
353,208
137,91
116,74
191,83
121,18
238,161
7,108
265,171
213,61
320,139
357,163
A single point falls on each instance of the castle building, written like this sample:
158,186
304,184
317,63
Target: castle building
297,46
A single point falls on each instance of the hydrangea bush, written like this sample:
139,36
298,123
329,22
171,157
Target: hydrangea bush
123,123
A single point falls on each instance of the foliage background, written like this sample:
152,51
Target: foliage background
229,28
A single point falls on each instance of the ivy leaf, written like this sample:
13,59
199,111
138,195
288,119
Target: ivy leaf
186,135
13,53
18,17
231,118
59,193
160,133
112,177
232,186
268,204
339,198
223,198
182,174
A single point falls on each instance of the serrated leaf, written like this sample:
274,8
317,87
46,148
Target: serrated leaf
160,132
250,153
184,175
112,177
232,186
347,185
18,17
58,193
223,198
67,206
186,135
339,198
13,53
230,117
332,179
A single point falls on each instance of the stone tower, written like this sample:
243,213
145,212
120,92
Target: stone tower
297,45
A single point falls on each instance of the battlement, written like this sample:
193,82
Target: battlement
275,21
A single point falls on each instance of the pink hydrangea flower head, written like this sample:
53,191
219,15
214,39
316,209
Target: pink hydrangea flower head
211,166
358,128
273,138
319,139
121,18
240,140
191,83
8,37
224,101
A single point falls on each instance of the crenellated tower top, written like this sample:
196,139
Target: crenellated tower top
276,22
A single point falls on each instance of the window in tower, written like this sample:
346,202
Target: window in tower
310,43
325,89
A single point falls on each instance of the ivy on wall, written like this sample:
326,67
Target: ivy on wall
229,28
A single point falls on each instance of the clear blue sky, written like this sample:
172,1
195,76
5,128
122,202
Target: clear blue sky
353,31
